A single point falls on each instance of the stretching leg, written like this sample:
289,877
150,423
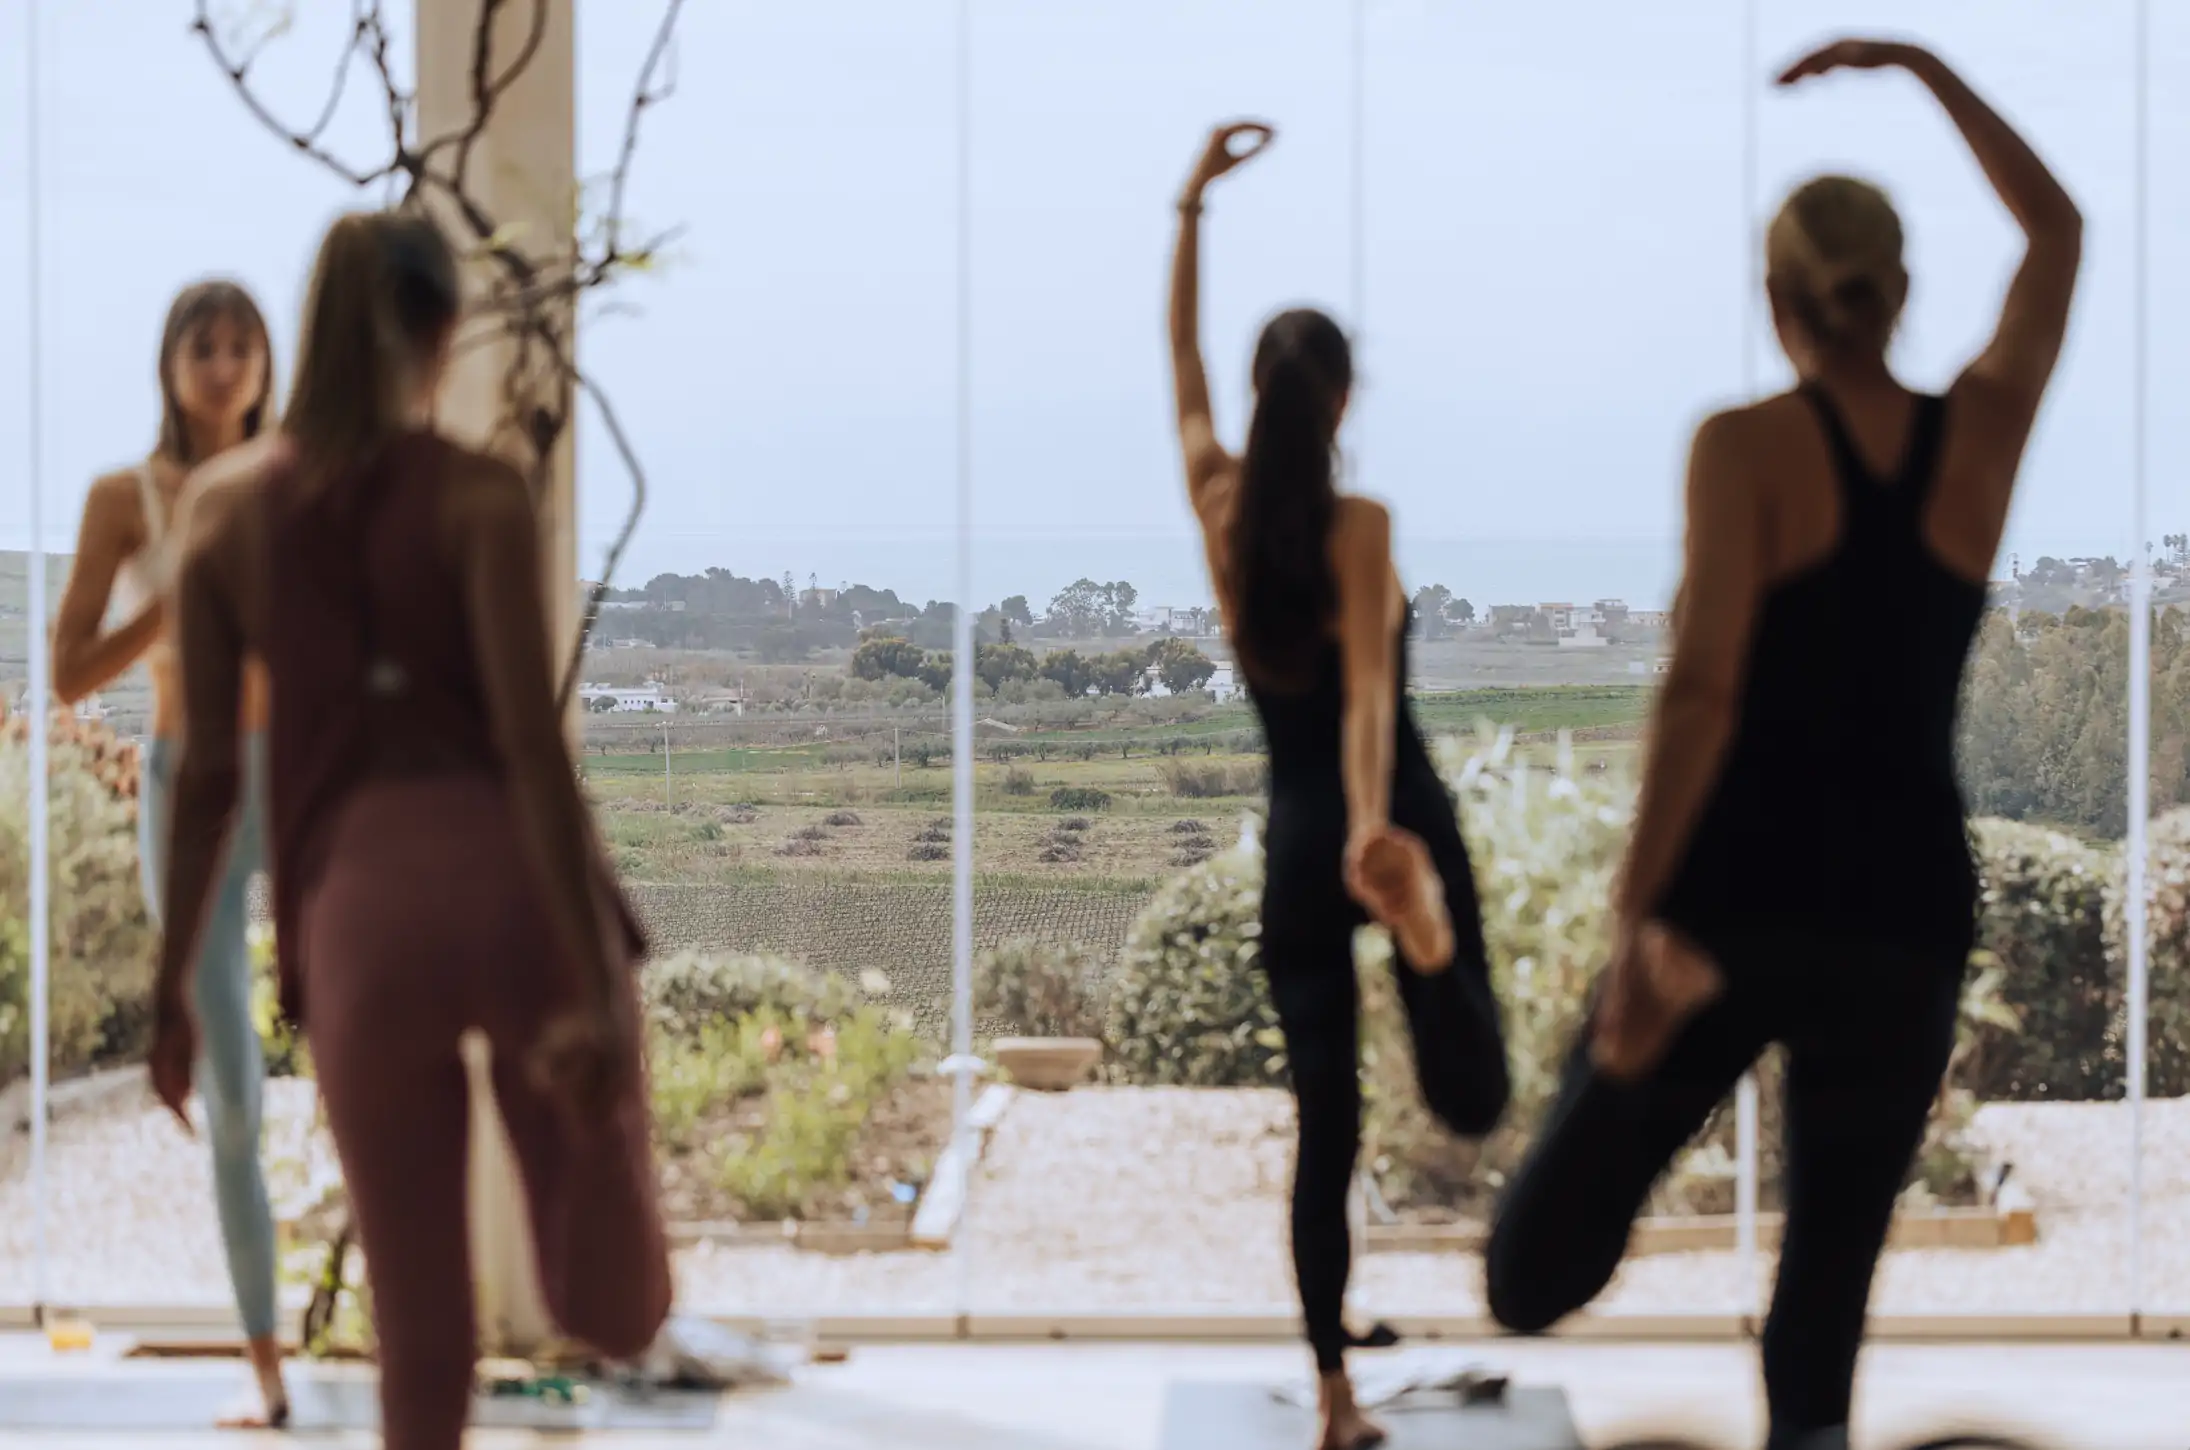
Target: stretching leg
1459,1047
1863,1071
1562,1226
597,1230
1312,985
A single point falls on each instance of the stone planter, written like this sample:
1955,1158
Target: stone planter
1047,1064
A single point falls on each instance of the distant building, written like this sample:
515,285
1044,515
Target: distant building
627,700
721,702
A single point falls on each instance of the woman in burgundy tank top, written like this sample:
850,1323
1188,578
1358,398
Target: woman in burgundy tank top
434,867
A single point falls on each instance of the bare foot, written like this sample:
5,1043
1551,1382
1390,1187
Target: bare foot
272,1410
1344,1426
1666,981
1394,877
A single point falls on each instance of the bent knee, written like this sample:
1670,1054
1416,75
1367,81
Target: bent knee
1472,1106
1517,1293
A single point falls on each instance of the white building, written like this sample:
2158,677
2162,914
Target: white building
627,700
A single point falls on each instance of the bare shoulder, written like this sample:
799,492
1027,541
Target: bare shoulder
1361,525
215,490
485,498
115,501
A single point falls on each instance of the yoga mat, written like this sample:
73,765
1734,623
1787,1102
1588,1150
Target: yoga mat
1246,1416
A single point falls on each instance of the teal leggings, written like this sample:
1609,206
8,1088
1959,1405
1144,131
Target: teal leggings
231,1066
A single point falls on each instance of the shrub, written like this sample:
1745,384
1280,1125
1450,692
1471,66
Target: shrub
1188,1005
2042,917
1211,779
1074,823
1061,851
1040,988
841,818
2167,937
938,829
928,851
687,990
1193,851
769,1071
1079,798
1188,828
810,833
102,942
1018,782
801,846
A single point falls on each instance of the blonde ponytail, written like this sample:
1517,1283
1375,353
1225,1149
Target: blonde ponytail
1833,258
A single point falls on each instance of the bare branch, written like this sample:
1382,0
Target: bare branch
643,95
533,304
238,71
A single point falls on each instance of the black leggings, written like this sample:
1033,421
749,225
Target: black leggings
1868,1030
1308,925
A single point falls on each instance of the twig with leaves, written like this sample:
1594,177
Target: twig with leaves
532,298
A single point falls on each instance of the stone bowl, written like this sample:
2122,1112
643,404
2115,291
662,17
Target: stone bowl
1047,1064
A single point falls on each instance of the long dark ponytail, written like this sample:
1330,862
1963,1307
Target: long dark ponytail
1280,539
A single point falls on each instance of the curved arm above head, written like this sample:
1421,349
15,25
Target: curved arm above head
86,655
2017,363
1207,461
1692,722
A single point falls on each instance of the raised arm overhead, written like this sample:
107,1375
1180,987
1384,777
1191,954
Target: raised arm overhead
1206,458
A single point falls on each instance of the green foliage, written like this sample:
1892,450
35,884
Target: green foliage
1018,781
2167,936
1188,1005
688,990
768,1071
102,944
1211,779
1040,989
1079,798
2042,924
284,1047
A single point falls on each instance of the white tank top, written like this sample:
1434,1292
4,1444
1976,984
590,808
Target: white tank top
142,576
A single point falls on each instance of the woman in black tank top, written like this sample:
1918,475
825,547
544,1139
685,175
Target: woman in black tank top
1360,824
1799,871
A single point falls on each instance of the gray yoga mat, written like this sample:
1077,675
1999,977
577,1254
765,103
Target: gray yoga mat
178,1398
1249,1417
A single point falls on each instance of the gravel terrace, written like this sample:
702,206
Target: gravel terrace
1126,1199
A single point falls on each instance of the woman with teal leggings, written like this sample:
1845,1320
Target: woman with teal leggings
216,391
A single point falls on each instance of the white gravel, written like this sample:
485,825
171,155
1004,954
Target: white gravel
1150,1200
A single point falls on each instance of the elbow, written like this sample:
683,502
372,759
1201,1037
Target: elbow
70,682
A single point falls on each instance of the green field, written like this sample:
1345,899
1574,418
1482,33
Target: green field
711,813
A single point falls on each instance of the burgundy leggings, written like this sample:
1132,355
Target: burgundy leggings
423,925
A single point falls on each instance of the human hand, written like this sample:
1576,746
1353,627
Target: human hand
1655,982
1851,54
174,1056
584,1060
1389,871
1224,152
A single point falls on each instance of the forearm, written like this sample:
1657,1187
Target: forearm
204,806
82,666
2038,202
1688,743
1186,302
558,844
1365,747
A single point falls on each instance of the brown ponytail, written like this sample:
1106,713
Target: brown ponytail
384,294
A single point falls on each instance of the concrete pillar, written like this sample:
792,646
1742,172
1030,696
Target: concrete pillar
522,173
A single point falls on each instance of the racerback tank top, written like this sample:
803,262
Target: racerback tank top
1838,811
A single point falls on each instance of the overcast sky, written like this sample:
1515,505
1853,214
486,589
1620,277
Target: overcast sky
1556,271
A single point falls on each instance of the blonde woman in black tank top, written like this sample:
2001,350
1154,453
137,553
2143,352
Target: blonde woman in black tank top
1798,872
